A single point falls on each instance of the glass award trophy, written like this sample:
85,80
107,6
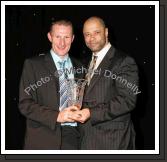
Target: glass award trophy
76,89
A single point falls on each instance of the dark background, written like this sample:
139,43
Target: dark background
131,29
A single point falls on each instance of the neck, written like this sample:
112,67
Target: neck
95,53
62,57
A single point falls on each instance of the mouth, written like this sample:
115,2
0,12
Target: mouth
92,44
61,48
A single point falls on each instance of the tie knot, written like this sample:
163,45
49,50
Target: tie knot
62,64
95,58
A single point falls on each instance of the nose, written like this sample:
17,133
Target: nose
92,37
62,42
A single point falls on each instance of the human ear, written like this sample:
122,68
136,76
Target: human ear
49,36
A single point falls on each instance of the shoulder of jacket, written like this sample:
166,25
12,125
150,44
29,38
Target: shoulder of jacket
37,58
123,55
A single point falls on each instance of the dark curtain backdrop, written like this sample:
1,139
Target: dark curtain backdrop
131,29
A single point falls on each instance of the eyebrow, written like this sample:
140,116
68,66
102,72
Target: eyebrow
93,31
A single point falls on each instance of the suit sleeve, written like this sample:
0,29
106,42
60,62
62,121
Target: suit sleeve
125,99
28,103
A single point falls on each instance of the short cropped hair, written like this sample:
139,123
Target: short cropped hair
62,22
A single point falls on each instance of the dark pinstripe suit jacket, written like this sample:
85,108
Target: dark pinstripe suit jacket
110,101
40,105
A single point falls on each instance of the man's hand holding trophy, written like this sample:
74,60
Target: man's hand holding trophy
76,89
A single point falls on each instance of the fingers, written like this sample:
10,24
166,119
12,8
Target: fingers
67,118
71,116
81,120
75,116
72,108
64,116
79,116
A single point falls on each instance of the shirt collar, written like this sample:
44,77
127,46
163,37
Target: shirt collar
57,58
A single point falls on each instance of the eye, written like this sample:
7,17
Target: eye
87,34
97,32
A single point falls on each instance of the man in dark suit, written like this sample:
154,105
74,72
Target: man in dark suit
43,94
110,95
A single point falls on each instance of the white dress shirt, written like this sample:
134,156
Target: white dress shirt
100,55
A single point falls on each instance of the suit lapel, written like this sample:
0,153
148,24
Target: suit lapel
76,65
49,64
104,65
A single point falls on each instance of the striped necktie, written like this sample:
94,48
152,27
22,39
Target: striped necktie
91,68
63,86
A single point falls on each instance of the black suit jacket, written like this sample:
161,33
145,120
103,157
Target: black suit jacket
40,105
110,102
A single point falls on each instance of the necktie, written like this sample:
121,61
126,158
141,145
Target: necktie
63,86
91,68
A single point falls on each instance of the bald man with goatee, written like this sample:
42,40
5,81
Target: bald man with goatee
108,102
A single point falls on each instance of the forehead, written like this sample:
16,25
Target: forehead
62,28
92,25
